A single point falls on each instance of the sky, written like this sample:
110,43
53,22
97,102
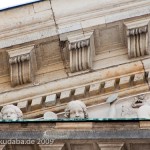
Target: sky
12,3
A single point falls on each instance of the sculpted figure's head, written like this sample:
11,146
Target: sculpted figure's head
11,112
139,101
76,109
50,115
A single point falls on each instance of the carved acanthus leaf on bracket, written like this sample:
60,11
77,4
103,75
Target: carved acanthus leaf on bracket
21,65
80,51
137,38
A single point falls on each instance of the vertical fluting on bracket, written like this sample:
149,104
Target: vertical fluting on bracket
81,54
21,67
137,39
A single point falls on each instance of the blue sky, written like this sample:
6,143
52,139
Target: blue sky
11,3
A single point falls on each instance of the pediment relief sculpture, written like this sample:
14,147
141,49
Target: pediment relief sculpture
11,113
114,108
76,109
132,107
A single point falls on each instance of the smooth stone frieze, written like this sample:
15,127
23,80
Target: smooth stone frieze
144,111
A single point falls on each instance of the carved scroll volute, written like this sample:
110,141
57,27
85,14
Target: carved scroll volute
137,39
81,53
21,65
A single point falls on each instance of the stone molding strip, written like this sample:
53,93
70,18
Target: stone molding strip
27,33
116,84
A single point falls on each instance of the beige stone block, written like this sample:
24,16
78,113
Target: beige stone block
79,92
146,64
26,22
16,13
139,78
36,103
65,95
109,62
93,22
124,80
52,146
109,84
2,147
26,37
41,6
139,11
64,36
81,146
4,79
111,146
23,105
69,28
50,100
117,17
144,124
94,89
50,76
75,125
109,54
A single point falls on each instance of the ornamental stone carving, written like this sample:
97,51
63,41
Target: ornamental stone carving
80,49
50,115
76,109
21,65
137,38
144,111
112,100
139,101
11,113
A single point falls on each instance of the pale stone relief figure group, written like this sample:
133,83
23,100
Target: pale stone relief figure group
77,109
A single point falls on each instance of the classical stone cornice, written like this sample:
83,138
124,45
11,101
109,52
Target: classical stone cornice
28,23
92,88
95,13
35,23
73,82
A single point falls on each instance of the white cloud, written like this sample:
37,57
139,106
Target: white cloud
11,3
